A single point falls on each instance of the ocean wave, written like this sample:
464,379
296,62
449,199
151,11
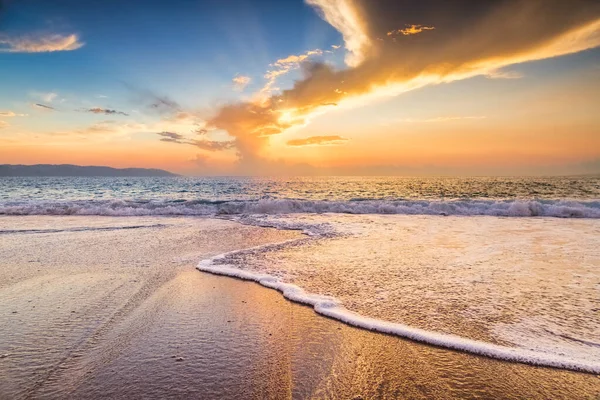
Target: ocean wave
333,308
502,208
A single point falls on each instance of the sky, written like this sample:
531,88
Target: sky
313,87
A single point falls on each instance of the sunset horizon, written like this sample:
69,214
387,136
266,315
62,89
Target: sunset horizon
298,88
300,199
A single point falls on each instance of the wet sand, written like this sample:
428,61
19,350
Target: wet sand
98,307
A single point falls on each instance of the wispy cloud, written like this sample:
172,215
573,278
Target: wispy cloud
154,103
501,74
283,66
410,30
213,145
294,60
3,124
11,114
106,111
39,43
171,137
318,141
204,144
103,130
46,97
240,82
164,104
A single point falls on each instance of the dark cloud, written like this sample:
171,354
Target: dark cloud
172,137
98,110
212,145
464,38
44,106
204,144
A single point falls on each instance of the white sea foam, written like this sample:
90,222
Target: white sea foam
331,307
503,208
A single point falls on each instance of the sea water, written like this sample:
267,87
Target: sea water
503,267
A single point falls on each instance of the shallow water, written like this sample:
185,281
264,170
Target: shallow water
524,283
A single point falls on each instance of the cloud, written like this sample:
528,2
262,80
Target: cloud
164,104
103,130
46,97
250,124
295,60
161,105
11,114
283,66
43,106
240,82
39,44
204,144
466,42
212,145
346,18
3,124
411,30
106,111
500,74
171,137
318,141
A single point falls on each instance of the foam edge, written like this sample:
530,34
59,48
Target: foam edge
333,308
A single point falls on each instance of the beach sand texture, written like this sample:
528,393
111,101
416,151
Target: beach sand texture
104,307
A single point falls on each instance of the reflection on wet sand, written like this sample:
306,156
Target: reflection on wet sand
123,313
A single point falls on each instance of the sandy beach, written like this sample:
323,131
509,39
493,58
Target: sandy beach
108,307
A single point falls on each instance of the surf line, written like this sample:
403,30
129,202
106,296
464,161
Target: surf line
332,308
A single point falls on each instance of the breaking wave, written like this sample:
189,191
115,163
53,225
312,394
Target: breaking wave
503,208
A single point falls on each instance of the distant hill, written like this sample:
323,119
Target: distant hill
77,170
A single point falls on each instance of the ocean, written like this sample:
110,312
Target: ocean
552,196
507,268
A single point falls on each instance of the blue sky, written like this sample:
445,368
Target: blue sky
189,51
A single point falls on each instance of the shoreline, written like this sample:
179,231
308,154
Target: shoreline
125,313
330,307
